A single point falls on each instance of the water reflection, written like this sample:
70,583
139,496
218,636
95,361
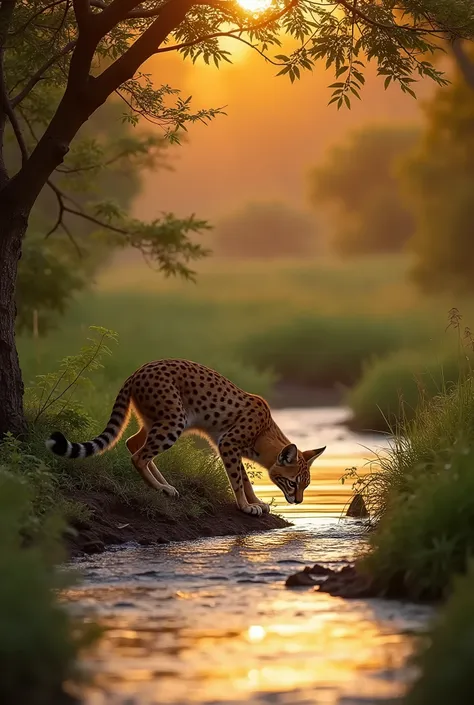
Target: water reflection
211,622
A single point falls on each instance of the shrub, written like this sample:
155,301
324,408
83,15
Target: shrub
38,641
445,660
392,387
324,351
424,496
266,230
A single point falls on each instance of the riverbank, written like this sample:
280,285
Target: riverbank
114,522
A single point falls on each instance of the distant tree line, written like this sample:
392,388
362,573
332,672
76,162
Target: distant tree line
390,188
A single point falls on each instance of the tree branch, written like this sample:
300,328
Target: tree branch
155,11
38,14
6,13
40,72
126,65
354,10
16,129
60,196
463,61
234,34
82,12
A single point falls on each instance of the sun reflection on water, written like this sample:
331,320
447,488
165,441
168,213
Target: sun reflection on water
211,621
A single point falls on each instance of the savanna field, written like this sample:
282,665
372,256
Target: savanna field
358,327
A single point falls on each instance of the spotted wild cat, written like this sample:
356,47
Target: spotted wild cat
170,397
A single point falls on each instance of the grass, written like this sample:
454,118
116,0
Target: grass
445,659
197,474
391,388
39,642
54,402
423,497
232,302
329,352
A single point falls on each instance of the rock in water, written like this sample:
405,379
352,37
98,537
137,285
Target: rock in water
357,508
300,579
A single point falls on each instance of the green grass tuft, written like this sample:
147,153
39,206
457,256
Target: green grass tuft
445,660
391,388
424,498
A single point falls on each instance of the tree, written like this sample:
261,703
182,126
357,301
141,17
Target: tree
439,181
93,49
265,230
359,181
108,156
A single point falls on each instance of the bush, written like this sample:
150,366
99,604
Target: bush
392,387
38,642
445,660
266,230
424,494
358,184
326,352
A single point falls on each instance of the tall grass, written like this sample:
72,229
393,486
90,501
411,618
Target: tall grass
391,388
423,498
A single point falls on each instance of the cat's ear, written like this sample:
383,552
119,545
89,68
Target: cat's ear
288,455
311,455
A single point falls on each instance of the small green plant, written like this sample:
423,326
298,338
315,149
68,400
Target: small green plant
55,390
17,461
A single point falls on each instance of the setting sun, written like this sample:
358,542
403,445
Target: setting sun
255,6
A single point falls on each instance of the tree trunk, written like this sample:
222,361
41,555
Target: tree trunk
12,229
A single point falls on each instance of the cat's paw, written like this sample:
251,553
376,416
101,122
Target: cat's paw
170,491
255,510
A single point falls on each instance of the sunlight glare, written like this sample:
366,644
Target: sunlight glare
255,6
256,633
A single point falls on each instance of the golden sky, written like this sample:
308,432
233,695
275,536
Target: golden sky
273,133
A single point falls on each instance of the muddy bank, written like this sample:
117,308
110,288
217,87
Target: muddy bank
114,522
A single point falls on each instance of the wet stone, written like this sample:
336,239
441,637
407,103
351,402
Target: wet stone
357,508
300,579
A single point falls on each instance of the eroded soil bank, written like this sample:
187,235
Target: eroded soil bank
113,522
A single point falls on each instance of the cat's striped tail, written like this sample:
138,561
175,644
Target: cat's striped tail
119,417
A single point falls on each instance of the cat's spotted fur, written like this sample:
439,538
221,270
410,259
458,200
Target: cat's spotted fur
173,396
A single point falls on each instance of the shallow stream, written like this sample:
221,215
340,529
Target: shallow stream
211,621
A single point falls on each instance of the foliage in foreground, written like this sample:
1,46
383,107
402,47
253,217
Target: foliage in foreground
445,660
38,641
423,496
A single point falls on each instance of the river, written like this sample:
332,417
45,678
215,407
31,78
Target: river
211,621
